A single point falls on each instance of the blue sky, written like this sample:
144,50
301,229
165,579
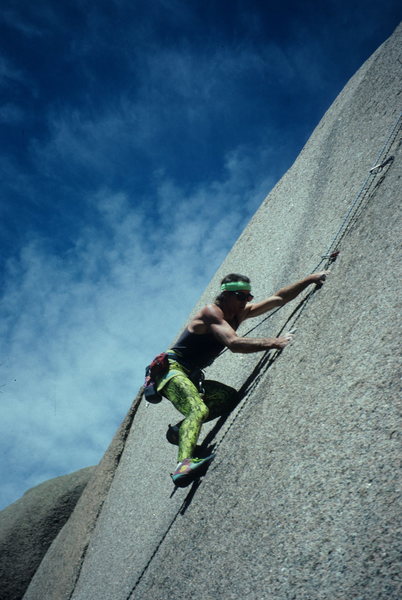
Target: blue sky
137,139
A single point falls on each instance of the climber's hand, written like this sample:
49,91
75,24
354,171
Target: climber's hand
281,342
319,277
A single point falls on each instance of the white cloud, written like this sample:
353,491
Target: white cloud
176,90
77,330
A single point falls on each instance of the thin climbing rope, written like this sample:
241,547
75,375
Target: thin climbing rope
270,356
331,254
381,161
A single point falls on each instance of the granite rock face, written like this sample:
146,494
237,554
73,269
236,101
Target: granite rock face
29,525
301,502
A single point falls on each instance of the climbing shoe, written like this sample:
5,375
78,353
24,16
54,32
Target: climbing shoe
189,469
172,434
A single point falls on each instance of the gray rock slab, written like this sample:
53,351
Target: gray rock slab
301,501
138,509
29,525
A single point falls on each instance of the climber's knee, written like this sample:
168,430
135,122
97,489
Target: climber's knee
204,412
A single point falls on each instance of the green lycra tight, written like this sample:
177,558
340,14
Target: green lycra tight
219,399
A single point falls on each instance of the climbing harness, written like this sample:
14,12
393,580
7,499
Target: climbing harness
159,367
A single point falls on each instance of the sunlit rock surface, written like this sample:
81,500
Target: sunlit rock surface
301,500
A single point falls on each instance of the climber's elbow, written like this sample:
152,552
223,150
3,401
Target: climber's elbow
236,345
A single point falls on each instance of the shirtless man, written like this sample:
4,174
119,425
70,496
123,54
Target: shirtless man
211,330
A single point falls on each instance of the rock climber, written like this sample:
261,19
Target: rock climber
211,330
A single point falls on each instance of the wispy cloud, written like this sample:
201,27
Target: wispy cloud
32,20
78,329
11,113
140,138
10,73
14,20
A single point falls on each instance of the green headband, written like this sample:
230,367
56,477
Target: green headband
234,286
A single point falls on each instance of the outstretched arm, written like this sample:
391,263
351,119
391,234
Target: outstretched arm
228,336
284,295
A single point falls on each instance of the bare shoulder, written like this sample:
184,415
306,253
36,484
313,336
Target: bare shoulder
207,316
212,314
